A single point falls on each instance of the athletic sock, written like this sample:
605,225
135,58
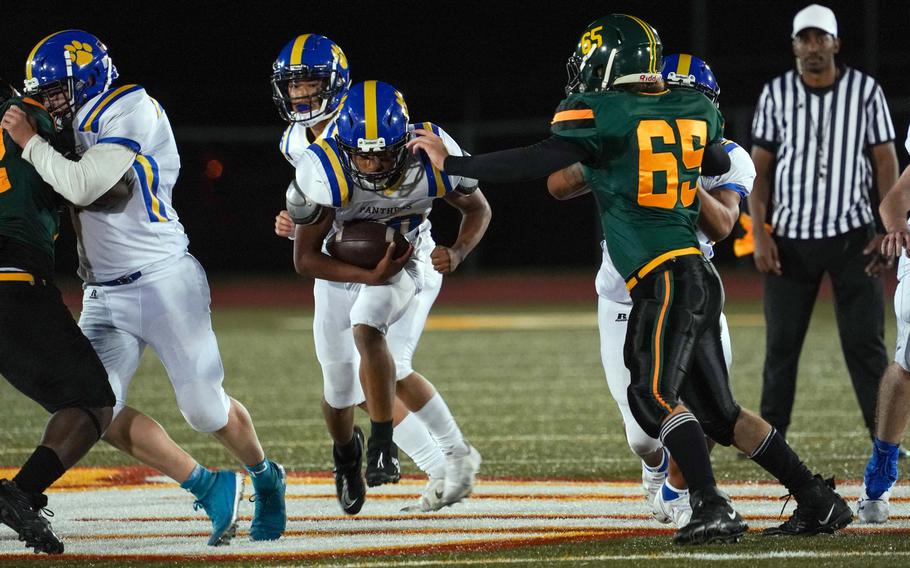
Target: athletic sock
380,433
881,471
778,458
683,437
40,471
199,482
438,419
346,452
412,437
263,474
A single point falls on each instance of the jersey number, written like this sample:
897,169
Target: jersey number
664,162
4,178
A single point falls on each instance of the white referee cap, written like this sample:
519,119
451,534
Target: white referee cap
815,16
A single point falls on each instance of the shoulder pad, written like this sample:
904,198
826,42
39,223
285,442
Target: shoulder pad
573,113
320,176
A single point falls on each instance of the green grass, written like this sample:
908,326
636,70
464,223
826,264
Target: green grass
534,402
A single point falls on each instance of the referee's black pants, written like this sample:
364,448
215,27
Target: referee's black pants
859,308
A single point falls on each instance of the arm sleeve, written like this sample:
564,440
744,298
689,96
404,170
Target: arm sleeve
82,182
716,161
519,164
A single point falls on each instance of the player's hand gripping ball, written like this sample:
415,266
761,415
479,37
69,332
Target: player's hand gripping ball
364,243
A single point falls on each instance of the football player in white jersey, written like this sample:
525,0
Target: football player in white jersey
893,409
310,78
720,196
372,319
142,287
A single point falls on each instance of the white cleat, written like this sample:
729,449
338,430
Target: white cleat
671,506
653,479
461,472
872,511
431,498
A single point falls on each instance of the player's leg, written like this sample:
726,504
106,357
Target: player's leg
673,306
892,415
177,324
45,355
461,461
374,310
859,307
788,302
710,397
612,319
338,360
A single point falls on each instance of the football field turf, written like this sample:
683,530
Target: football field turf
525,382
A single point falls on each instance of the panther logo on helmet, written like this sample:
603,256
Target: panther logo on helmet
67,69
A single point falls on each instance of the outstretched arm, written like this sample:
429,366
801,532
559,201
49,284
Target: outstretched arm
568,182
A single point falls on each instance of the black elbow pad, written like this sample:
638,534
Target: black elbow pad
715,161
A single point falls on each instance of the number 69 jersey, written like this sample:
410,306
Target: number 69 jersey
146,230
405,206
647,150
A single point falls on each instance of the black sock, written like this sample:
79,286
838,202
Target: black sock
778,459
380,433
347,452
41,470
683,437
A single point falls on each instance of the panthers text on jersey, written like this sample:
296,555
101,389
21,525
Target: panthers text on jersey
405,206
612,286
647,152
147,229
28,206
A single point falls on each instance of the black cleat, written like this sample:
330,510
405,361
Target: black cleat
22,513
382,464
349,485
818,510
713,520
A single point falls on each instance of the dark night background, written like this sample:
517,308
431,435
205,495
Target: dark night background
490,73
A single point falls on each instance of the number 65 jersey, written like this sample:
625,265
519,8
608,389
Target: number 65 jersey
404,206
647,152
146,229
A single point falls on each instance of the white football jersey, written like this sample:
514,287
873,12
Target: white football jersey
147,230
296,139
405,206
739,178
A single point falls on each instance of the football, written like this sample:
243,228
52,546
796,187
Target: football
364,243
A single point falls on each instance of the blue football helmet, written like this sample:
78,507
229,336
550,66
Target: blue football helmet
66,69
310,57
373,124
684,70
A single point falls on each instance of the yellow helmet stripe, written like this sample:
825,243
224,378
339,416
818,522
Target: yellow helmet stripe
31,56
684,63
652,43
297,50
369,111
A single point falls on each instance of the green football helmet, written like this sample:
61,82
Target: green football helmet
614,50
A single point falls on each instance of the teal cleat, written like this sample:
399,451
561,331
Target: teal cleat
221,503
270,517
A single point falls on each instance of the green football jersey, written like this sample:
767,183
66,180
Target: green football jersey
28,206
647,152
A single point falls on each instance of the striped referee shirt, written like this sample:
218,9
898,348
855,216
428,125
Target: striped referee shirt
820,137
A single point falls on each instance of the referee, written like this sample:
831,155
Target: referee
822,142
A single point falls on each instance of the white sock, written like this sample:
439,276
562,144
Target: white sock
412,437
438,419
675,490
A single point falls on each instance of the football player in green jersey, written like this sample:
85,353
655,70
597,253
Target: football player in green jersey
645,146
42,351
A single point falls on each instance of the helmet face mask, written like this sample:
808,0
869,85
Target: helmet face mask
305,60
66,70
372,133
